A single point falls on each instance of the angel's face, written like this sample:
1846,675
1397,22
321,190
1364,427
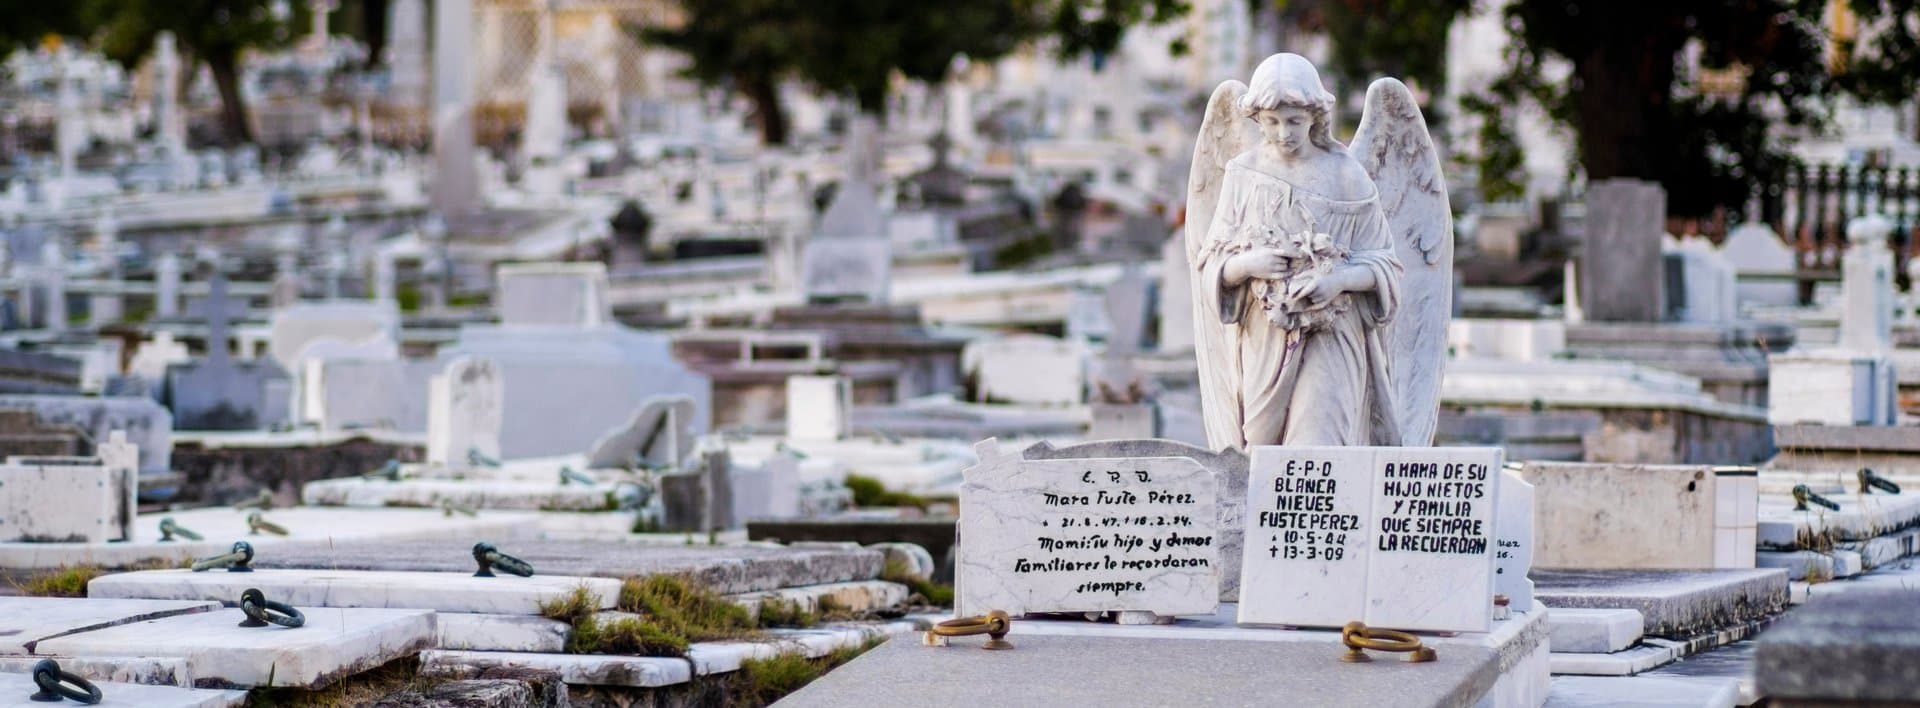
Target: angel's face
1285,128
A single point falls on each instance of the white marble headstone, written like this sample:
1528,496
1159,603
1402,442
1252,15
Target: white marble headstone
464,411
563,294
1086,535
1399,538
1514,557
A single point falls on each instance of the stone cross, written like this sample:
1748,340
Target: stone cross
217,309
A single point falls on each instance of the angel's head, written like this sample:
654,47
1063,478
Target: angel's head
1290,106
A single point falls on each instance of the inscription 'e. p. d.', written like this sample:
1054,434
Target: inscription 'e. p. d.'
1087,535
1398,538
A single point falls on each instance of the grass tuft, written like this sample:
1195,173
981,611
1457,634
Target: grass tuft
775,612
681,607
624,636
761,682
65,581
935,594
869,492
572,607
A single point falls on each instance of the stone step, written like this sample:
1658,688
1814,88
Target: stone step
445,592
726,569
547,495
703,658
334,643
16,687
1644,657
313,530
1883,549
1592,631
858,596
144,670
1861,517
487,632
1733,662
25,621
1854,648
1641,692
1674,603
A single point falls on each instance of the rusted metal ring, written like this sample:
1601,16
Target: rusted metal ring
52,683
235,561
261,612
488,557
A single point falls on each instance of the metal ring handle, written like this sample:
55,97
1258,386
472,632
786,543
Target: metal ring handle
488,557
1358,636
995,625
52,683
235,561
260,611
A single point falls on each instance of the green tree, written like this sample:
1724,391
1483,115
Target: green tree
1636,111
1884,66
855,47
1405,39
24,23
214,31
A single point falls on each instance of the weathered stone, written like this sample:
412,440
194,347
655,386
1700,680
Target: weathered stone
15,687
487,632
725,569
503,687
1621,247
333,643
445,592
1674,603
577,669
1645,657
1854,647
25,621
1644,692
432,493
1591,631
1229,468
145,670
857,597
911,558
1634,516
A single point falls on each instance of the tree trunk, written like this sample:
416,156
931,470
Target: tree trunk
225,65
373,19
1624,104
768,115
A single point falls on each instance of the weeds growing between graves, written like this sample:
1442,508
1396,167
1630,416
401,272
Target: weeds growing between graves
570,608
869,492
775,612
65,581
931,592
626,635
760,682
683,607
362,689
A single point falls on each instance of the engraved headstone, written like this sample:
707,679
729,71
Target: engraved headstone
1400,538
1086,535
1229,468
1514,557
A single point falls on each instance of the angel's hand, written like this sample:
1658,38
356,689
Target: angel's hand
1314,292
1255,263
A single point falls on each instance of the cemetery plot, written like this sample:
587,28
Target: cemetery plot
221,654
446,592
1398,538
1087,535
16,687
25,621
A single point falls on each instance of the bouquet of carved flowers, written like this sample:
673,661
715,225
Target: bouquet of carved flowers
1309,255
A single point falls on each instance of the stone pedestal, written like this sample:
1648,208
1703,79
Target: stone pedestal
1831,387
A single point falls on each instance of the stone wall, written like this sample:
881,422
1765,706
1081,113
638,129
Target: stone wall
224,475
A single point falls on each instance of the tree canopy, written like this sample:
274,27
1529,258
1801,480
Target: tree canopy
1637,109
855,47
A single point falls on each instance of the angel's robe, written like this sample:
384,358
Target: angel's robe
1262,384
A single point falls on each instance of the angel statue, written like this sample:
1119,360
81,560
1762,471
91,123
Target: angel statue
1323,279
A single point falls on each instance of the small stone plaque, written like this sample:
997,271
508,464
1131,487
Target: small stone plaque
1399,538
1307,531
1433,553
1514,557
1087,535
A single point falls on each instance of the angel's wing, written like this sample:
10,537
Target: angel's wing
1223,135
1393,145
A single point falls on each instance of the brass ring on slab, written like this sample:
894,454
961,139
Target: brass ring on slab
994,624
1358,636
